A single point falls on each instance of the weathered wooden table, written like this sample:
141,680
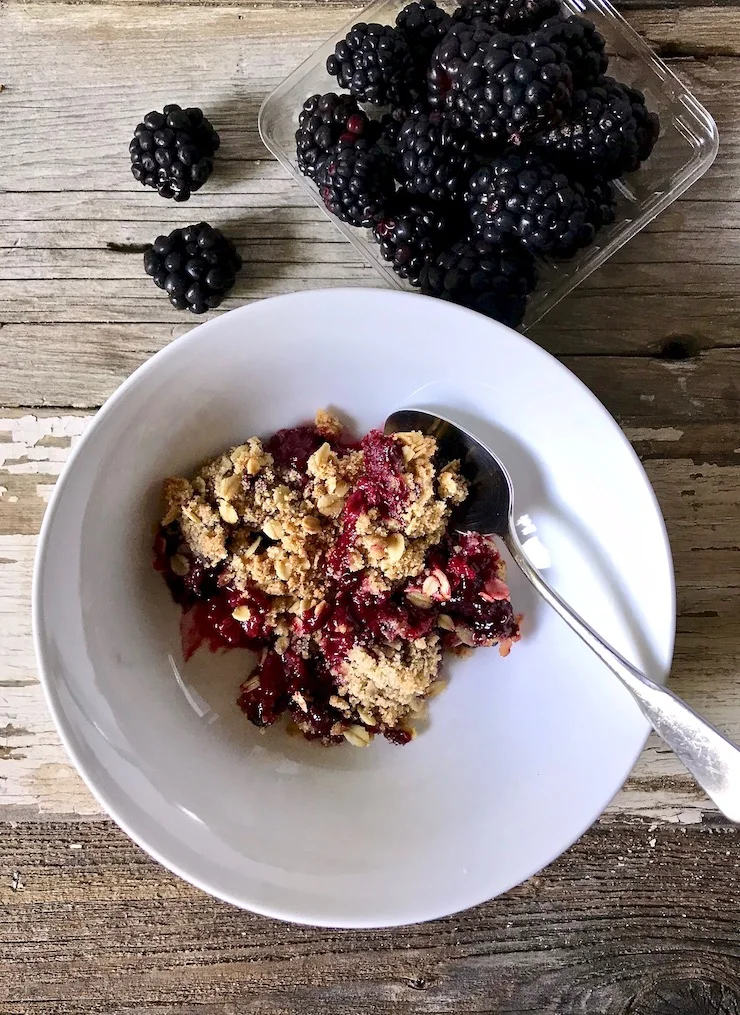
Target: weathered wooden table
642,914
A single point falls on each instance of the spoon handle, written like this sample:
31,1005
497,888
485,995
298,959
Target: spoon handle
710,757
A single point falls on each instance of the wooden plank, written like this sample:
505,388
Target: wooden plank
641,390
587,322
88,924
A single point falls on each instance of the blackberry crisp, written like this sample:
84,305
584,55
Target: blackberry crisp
513,16
434,159
196,266
523,197
375,64
349,598
583,45
609,131
413,232
512,87
173,151
323,120
493,279
356,182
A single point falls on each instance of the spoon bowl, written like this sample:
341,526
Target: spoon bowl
489,507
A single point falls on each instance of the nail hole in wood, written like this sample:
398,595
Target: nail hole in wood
679,349
418,983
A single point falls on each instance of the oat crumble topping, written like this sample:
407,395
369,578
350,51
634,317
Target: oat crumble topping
334,560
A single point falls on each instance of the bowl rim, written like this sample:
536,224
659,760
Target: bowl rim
45,669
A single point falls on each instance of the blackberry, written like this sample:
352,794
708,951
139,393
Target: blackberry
389,126
450,58
412,233
609,131
583,45
513,16
375,64
493,279
513,87
196,266
434,159
526,198
173,151
323,120
356,182
424,25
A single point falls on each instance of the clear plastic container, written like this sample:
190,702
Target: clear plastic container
686,147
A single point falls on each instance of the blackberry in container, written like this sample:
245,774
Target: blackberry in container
505,80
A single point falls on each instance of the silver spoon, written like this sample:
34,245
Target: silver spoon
712,760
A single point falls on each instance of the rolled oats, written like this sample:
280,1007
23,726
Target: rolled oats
358,736
395,546
180,565
273,529
283,570
228,512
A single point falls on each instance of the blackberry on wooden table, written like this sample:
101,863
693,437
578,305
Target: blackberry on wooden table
434,159
356,182
514,16
494,279
173,151
511,88
196,266
609,131
375,64
413,232
527,199
323,120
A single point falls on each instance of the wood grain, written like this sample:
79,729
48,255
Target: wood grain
641,915
674,997
88,924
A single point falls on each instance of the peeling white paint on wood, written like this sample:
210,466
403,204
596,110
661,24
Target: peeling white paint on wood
35,773
646,433
22,447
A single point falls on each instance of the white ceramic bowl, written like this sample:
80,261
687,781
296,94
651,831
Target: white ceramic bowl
521,754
